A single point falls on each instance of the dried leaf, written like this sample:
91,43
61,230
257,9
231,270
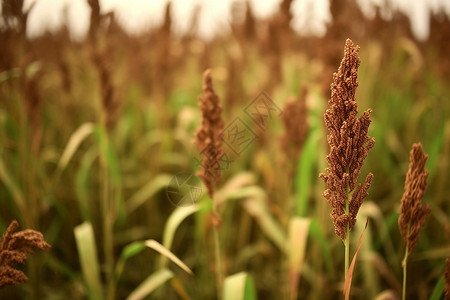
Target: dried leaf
348,278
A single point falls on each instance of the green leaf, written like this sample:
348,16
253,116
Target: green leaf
146,192
305,171
256,206
150,284
108,154
82,182
316,232
87,252
254,202
112,173
74,143
436,149
438,289
239,287
174,221
12,186
129,251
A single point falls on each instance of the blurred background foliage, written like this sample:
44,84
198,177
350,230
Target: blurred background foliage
92,132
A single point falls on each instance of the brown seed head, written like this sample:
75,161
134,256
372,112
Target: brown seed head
349,144
295,120
207,137
412,211
14,248
110,103
95,19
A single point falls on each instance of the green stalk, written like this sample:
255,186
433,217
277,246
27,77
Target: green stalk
347,242
107,226
218,260
347,251
347,258
404,264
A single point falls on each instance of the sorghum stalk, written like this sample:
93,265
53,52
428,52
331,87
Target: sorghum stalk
209,143
413,212
349,146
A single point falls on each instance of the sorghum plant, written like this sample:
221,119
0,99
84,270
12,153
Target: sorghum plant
209,143
14,248
349,146
207,137
412,211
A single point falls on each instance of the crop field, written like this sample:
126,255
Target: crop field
260,164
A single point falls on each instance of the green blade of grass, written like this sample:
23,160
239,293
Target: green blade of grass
435,148
108,154
129,251
438,290
316,232
87,251
172,224
146,192
82,182
239,287
305,171
370,210
254,202
175,219
150,284
257,208
74,143
12,187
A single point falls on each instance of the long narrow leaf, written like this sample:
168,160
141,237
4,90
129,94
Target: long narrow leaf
128,252
239,287
87,251
146,192
150,284
174,221
255,204
75,141
257,208
167,253
305,168
438,289
12,187
108,154
348,278
316,232
298,234
83,180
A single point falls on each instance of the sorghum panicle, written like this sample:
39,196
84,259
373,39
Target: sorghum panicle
349,144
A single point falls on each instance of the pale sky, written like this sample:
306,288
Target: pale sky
136,15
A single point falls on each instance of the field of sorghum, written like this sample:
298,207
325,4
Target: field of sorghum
169,167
